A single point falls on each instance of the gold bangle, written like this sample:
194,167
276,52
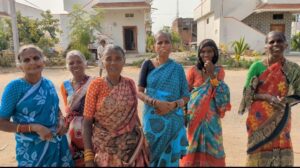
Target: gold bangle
29,128
88,150
89,154
18,126
87,159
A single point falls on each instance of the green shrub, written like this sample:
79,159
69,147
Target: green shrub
138,63
232,63
296,42
239,46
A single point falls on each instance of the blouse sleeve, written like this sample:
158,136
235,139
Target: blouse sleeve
190,78
91,99
184,90
251,73
143,74
221,74
10,98
64,94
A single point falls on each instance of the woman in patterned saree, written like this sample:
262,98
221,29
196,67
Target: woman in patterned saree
32,103
112,131
210,99
272,87
73,92
166,94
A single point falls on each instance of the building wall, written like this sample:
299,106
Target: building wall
238,9
208,27
4,7
295,28
64,38
282,1
185,27
28,11
263,21
113,23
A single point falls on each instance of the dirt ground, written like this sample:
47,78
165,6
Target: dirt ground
234,129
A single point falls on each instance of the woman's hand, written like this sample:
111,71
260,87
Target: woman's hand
61,128
209,67
164,107
42,131
276,102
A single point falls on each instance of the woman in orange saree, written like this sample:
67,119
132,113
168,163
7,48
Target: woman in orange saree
112,129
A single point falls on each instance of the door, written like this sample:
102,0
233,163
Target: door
130,38
278,27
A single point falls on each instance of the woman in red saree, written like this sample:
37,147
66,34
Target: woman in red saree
112,130
73,92
272,87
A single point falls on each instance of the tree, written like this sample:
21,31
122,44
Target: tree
296,42
42,33
4,35
150,43
175,37
83,25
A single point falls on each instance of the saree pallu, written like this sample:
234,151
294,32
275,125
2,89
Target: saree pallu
166,134
74,119
269,141
206,106
117,137
40,105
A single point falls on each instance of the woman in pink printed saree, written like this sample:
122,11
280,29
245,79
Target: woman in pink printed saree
73,92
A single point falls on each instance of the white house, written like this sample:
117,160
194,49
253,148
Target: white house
125,22
227,20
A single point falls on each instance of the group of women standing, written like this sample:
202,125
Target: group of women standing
181,117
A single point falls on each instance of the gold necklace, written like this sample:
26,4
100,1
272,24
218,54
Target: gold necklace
157,61
80,83
111,83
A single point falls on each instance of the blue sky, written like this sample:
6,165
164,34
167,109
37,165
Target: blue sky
166,12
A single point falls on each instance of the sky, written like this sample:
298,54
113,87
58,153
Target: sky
166,12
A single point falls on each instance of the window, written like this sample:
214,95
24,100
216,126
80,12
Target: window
277,16
207,21
129,15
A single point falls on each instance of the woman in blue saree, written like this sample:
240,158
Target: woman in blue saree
32,103
166,94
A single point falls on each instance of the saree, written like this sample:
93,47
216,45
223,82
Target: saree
74,109
268,127
166,134
38,104
117,137
206,106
